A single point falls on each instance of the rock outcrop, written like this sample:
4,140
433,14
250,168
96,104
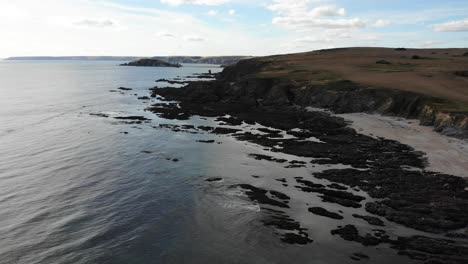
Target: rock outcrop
151,63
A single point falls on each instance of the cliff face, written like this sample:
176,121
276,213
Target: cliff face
243,82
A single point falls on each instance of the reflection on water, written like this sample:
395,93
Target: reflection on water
77,188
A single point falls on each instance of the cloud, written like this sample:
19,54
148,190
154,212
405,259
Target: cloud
95,23
166,35
381,23
307,22
232,12
194,39
323,11
299,15
452,26
194,2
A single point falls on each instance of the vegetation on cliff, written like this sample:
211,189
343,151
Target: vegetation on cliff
350,80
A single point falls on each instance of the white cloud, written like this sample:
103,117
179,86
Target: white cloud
300,15
165,35
232,12
95,23
381,23
323,11
194,38
452,26
194,2
48,27
308,23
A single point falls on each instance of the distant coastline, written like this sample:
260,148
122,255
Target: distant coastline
93,58
220,60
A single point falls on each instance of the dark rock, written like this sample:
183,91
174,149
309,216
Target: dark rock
432,250
138,118
400,49
216,179
259,195
281,221
206,141
170,111
424,200
224,130
457,235
337,186
350,233
323,212
310,184
461,73
280,195
99,115
370,219
125,89
265,157
292,238
232,121
144,98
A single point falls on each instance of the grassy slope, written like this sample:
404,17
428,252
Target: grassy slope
432,75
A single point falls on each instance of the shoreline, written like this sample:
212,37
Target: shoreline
394,176
443,152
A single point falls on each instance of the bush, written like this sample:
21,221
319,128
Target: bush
383,62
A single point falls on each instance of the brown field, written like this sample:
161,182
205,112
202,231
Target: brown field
432,74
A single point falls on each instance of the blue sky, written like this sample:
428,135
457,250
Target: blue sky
225,27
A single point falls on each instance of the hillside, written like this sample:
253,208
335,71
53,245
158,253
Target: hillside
431,73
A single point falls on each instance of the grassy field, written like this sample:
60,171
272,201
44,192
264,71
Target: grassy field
424,71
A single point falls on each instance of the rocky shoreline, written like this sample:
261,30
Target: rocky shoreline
392,174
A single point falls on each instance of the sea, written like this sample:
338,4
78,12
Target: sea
79,186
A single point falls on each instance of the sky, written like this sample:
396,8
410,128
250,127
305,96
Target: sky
224,27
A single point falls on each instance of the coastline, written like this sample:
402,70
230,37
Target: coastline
444,153
387,178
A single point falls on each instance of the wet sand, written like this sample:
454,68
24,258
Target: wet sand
445,154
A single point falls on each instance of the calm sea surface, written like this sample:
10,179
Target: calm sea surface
75,188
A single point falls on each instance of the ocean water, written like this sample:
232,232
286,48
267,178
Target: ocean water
79,188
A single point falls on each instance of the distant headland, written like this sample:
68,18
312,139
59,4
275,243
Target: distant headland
151,63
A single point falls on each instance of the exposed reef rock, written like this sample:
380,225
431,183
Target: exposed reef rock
323,212
392,174
422,200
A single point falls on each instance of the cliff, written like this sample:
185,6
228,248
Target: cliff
350,80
